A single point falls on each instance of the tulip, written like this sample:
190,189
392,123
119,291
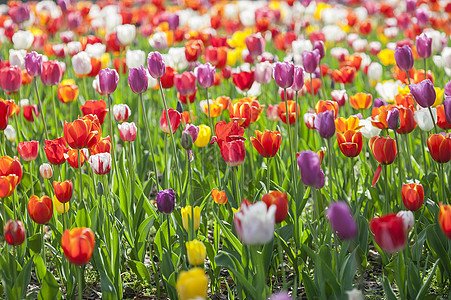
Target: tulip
96,108
83,132
393,119
233,152
389,232
266,143
204,136
185,83
319,46
55,149
310,167
189,136
33,64
424,120
126,34
310,60
383,149
60,207
284,74
19,13
219,197
11,166
424,46
350,143
7,184
340,217
100,163
327,105
137,79
243,80
175,119
63,190
121,112
352,123
444,219
23,39
135,58
74,47
282,112
72,157
280,295
40,209
439,146
127,131
205,75
52,72
279,200
424,93
412,196
192,284
67,91
298,79
167,80
193,50
404,58
81,63
166,201
4,115
108,80
10,79
186,217
46,171
361,101
255,43
78,245
28,150
254,223
441,117
29,112
325,124
407,218
156,65
447,109
14,232
196,252
263,72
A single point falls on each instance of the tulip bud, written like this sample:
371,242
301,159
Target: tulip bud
192,284
298,78
166,201
186,141
28,150
424,93
33,64
310,60
341,220
412,196
100,163
444,218
179,107
196,252
407,218
205,75
319,46
424,46
78,245
127,131
126,34
203,138
108,80
156,65
10,133
46,171
393,119
187,215
325,124
189,135
404,58
137,79
284,74
14,232
40,209
81,62
60,207
121,112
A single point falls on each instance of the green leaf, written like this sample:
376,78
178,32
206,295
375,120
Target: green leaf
388,290
82,219
49,286
140,270
425,287
35,243
22,281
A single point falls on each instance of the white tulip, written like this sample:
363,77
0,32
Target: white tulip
17,58
126,34
81,63
375,71
424,120
407,218
23,39
74,47
388,89
135,58
368,130
95,50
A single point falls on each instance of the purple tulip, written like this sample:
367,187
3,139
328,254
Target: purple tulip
255,43
310,60
33,64
411,5
63,4
189,136
108,79
283,74
448,88
447,108
322,180
280,296
263,72
319,46
156,65
404,58
423,92
325,124
173,21
205,75
298,81
19,13
393,119
310,166
424,46
166,201
137,79
341,220
378,102
422,16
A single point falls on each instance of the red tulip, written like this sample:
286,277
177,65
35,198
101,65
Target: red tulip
233,152
52,72
350,143
10,79
28,150
14,232
412,196
439,146
97,108
185,83
11,166
243,80
444,219
266,143
40,209
29,112
63,190
84,132
55,150
5,110
72,157
78,245
175,118
167,80
389,232
280,200
383,149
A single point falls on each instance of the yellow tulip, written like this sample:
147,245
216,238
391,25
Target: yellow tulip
203,138
233,56
61,208
105,60
186,217
387,57
404,90
196,252
438,96
319,8
192,284
237,40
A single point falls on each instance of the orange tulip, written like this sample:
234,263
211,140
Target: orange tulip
405,100
9,165
97,108
412,196
193,49
282,111
219,197
324,105
266,143
84,132
13,107
344,75
216,108
104,145
245,111
316,85
342,125
8,184
441,119
444,219
67,91
78,245
383,149
350,143
72,158
280,200
361,101
439,146
63,190
40,209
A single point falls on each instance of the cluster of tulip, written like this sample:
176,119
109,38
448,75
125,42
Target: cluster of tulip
274,210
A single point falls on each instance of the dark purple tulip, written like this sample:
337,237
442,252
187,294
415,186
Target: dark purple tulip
137,79
298,78
341,220
19,13
393,119
156,65
424,93
310,166
404,58
424,46
411,5
310,60
322,180
173,21
108,79
33,64
325,124
283,74
319,46
447,108
378,102
63,4
422,16
166,201
205,75
448,88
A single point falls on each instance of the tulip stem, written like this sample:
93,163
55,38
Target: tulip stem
268,175
387,201
329,154
31,177
279,249
311,91
54,110
251,150
290,145
169,236
80,193
423,146
132,179
86,90
41,108
80,282
408,77
399,165
43,245
425,69
213,132
113,144
433,119
171,133
296,120
442,183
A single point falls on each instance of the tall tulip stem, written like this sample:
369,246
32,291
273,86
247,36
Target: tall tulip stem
31,177
329,154
54,110
268,175
433,120
408,77
387,200
80,194
290,146
113,143
80,282
41,108
311,90
213,132
251,151
169,235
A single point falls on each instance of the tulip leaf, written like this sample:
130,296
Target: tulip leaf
22,281
435,240
425,286
49,286
140,270
35,243
228,261
310,288
388,291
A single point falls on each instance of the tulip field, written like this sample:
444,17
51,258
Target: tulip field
206,149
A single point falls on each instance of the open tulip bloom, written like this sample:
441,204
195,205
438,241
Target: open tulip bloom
158,150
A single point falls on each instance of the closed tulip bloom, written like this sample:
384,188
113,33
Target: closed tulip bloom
63,190
135,58
108,80
407,218
166,201
263,72
40,209
424,93
439,146
254,223
325,124
310,60
441,117
361,101
284,74
393,119
424,46
192,284
310,167
10,79
11,166
189,136
424,120
96,108
444,219
233,152
186,217
255,43
156,65
100,163
55,149
23,39
29,112
406,120
298,79
219,197
127,131
19,13
5,110
72,157
81,63
33,64
204,136
78,245
28,150
412,196
341,220
196,252
46,170
383,149
126,34
319,46
339,96
7,184
83,132
280,201
447,109
389,232
104,145
267,143
243,80
205,75
404,58
14,232
137,79
282,111
121,112
67,91
185,83
350,143
52,72
175,118
60,207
